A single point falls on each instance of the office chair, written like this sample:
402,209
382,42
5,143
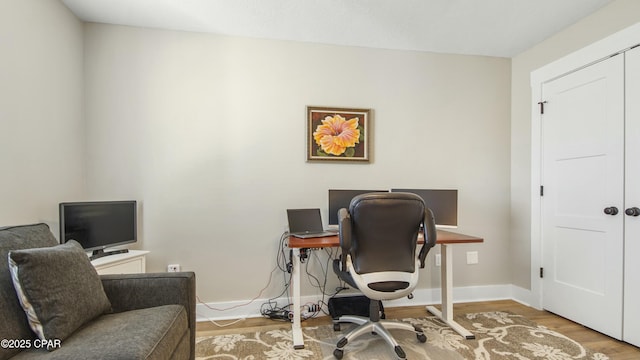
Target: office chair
378,238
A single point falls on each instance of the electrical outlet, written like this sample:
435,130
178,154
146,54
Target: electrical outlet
472,257
438,260
173,268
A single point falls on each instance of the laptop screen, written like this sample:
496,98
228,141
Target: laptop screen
304,220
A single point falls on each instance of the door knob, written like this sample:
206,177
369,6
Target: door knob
632,211
611,210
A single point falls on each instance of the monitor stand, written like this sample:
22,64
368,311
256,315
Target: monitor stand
97,254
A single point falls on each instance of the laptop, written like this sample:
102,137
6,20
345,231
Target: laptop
307,223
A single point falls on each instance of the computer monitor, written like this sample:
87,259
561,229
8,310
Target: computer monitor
339,199
443,203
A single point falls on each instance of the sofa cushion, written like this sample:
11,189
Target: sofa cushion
58,288
151,333
13,322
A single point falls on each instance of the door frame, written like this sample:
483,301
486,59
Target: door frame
591,54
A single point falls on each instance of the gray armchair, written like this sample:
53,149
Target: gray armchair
152,316
378,239
129,292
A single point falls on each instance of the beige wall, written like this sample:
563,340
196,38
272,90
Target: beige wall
41,129
208,133
610,19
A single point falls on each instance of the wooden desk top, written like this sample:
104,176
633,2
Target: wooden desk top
444,237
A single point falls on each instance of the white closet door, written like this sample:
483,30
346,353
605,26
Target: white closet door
631,332
582,175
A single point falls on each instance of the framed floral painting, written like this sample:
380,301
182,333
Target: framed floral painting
338,134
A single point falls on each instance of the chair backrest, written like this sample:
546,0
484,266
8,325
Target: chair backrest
384,231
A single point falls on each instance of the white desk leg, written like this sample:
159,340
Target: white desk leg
446,282
296,328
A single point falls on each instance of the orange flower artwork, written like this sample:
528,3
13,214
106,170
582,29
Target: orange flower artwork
337,134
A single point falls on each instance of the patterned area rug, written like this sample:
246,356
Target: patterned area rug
499,335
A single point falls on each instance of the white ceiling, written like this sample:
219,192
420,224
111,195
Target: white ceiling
501,28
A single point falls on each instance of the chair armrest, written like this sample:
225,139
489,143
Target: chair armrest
139,291
344,222
430,235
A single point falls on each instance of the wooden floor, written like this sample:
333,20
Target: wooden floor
616,350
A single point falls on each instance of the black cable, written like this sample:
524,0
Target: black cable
322,303
269,308
281,258
325,272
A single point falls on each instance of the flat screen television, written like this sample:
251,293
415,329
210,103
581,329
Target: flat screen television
339,199
99,225
443,204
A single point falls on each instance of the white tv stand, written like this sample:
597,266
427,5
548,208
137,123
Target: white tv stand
131,262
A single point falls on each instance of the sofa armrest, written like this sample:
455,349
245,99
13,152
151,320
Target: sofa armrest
139,291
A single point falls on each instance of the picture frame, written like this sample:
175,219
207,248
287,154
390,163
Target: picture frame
338,134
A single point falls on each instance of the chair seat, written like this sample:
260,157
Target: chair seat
388,286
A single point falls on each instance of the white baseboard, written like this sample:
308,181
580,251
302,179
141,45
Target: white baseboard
244,309
523,296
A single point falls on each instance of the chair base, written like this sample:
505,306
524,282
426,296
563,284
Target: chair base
380,328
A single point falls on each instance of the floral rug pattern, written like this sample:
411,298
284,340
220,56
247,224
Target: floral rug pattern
499,335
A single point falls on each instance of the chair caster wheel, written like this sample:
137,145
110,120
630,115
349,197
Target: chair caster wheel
400,352
422,338
336,327
338,353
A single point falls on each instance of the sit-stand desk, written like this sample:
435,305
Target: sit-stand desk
445,239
